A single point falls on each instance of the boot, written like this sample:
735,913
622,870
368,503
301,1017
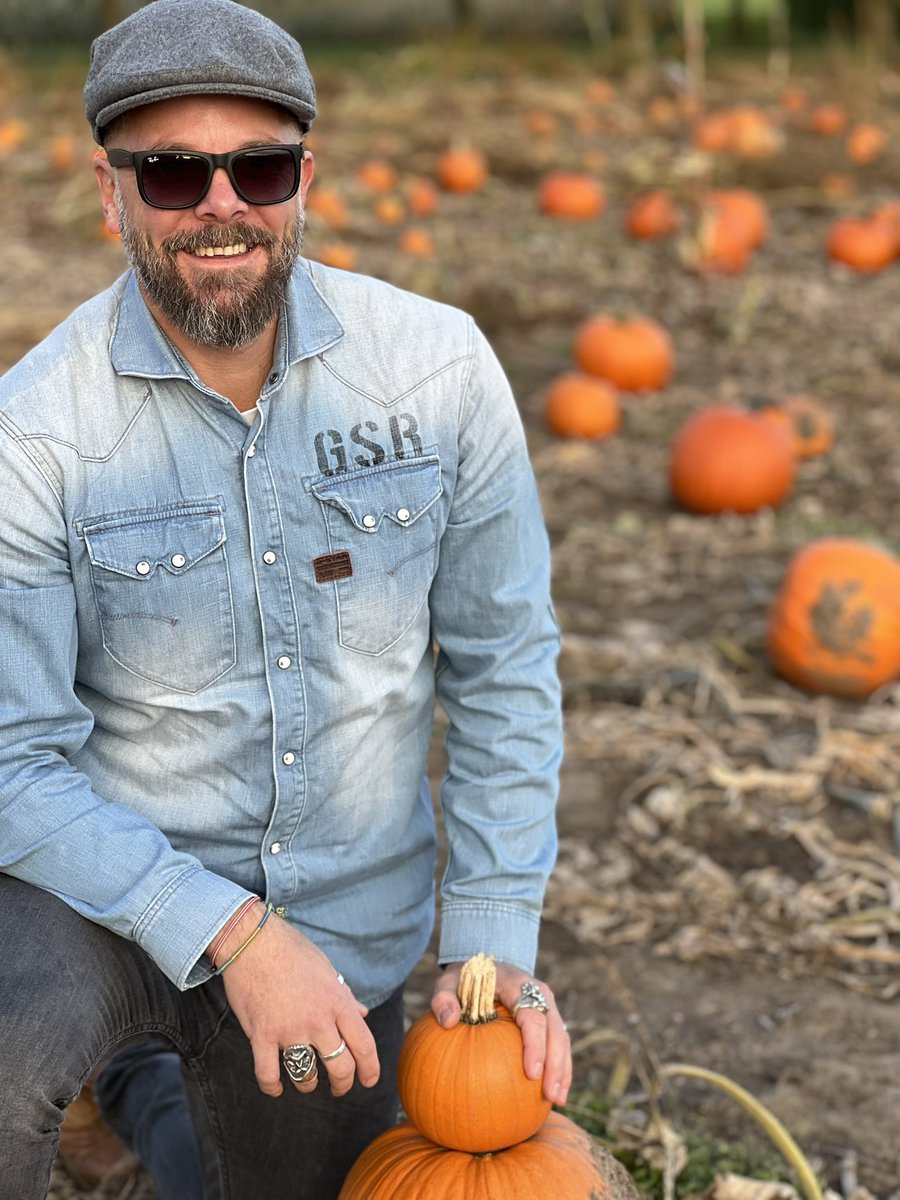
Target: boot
90,1151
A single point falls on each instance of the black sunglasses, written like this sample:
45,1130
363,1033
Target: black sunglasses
181,178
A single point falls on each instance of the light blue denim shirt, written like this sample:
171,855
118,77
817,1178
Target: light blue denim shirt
220,644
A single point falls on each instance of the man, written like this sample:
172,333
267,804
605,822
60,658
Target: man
244,499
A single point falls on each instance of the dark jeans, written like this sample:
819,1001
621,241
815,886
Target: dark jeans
72,994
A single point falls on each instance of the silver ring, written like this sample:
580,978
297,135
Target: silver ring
300,1062
334,1053
532,997
341,980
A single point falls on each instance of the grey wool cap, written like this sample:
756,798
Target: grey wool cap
191,48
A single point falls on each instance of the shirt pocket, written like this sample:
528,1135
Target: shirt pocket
163,592
386,519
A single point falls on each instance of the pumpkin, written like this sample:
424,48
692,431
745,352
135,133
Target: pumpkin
828,119
726,459
377,175
636,354
865,142
793,99
746,208
329,205
572,195
462,169
578,405
862,244
421,196
389,210
809,424
723,243
712,133
559,1161
834,624
541,123
652,216
417,243
752,133
465,1088
337,254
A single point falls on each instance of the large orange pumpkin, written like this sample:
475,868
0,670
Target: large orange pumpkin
726,459
465,1088
560,1161
834,625
636,353
578,405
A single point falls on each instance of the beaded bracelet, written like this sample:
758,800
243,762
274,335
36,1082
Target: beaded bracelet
270,908
220,940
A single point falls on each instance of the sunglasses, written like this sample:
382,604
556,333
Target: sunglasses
181,178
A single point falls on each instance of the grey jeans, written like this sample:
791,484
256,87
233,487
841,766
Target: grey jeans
72,993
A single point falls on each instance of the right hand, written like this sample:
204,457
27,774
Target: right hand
284,991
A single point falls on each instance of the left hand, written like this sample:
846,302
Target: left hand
547,1049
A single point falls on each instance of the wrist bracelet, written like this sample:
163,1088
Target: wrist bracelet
220,940
270,908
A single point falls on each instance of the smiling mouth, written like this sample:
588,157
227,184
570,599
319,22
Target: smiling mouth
221,251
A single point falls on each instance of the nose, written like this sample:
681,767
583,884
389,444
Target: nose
221,202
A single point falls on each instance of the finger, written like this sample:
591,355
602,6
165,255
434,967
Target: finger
309,1084
558,1069
444,999
267,1067
533,1025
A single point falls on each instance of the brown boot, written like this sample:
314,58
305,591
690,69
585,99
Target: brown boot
89,1149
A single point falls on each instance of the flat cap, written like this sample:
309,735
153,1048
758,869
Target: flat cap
190,48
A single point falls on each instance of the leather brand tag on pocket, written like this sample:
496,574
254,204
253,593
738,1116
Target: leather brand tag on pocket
333,566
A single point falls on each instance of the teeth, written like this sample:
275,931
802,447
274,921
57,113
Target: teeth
219,251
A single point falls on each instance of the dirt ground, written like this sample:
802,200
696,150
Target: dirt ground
728,887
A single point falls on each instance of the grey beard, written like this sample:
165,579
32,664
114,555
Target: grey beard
228,310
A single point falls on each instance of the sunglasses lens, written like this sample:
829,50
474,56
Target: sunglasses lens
174,180
266,176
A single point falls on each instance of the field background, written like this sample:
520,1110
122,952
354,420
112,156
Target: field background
728,888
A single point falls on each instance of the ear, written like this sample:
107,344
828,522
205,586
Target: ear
106,182
307,172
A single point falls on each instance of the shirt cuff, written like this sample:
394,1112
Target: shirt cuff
508,932
183,920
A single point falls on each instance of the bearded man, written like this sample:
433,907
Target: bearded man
257,515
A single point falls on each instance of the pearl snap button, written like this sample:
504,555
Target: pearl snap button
143,568
369,521
402,514
251,451
288,758
178,560
275,847
269,557
284,662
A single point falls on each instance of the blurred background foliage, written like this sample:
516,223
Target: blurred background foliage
645,23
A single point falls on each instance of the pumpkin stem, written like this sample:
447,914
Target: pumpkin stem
477,984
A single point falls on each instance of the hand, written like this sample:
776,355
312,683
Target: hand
547,1049
285,991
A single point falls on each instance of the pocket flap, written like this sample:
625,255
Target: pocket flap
400,491
172,539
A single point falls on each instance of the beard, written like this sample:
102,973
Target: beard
225,309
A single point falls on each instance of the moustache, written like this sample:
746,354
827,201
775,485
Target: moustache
218,236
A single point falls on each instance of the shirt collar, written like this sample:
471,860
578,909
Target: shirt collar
139,347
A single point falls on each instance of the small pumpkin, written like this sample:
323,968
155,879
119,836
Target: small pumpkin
865,143
417,242
746,208
862,244
808,422
377,175
828,119
652,215
560,1161
462,169
579,405
422,196
330,205
635,353
834,624
723,244
727,459
571,195
465,1088
337,254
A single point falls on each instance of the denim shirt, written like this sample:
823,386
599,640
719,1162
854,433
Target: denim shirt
221,643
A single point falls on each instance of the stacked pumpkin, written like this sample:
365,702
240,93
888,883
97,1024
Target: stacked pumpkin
477,1127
